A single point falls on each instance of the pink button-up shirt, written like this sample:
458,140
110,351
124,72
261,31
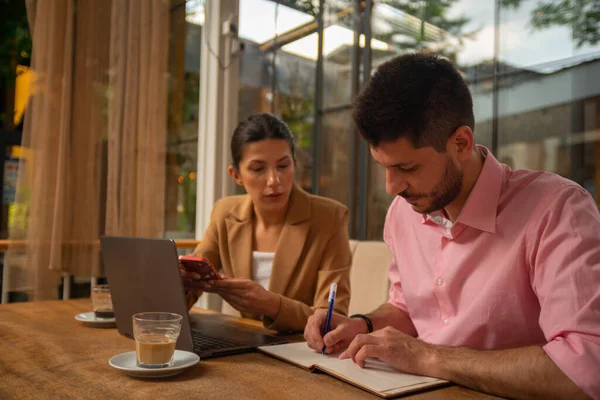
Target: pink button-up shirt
520,267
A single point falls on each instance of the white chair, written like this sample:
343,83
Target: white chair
369,283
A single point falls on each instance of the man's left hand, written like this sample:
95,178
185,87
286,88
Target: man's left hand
403,352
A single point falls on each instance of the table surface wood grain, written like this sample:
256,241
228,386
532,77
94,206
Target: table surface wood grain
46,353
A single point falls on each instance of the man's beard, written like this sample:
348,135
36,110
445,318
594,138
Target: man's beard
445,191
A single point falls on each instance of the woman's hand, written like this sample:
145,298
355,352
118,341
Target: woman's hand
244,295
191,280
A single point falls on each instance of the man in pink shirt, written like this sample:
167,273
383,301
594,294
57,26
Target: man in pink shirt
495,271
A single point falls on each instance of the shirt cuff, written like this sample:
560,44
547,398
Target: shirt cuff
578,357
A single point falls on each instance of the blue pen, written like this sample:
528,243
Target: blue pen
332,291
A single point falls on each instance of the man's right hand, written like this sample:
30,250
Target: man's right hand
343,330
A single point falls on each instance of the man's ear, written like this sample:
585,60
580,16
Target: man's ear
235,175
464,140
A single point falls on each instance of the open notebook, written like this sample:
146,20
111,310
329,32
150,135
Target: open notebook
377,377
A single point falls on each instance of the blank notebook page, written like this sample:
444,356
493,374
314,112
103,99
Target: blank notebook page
377,375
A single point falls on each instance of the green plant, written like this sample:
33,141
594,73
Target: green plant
582,16
430,12
306,6
15,39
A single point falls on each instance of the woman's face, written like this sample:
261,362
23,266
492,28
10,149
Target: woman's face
266,171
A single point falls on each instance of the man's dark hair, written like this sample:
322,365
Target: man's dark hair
259,127
418,96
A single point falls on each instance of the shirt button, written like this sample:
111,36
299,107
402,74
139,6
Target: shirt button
440,281
446,321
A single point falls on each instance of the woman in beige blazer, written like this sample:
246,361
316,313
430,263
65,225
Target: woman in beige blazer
279,247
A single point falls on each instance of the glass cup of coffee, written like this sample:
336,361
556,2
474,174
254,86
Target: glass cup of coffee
101,302
155,336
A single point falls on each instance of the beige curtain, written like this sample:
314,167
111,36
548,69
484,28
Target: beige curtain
94,137
137,117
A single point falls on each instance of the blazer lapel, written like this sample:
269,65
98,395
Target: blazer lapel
291,241
239,239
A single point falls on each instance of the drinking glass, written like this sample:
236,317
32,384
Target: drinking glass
156,334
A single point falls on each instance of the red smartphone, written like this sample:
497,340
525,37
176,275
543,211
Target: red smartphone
201,266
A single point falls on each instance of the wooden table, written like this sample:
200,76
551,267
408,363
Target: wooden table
45,353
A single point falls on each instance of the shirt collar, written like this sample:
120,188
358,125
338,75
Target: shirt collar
439,217
481,207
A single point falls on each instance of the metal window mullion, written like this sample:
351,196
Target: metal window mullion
274,65
495,81
316,136
363,183
353,136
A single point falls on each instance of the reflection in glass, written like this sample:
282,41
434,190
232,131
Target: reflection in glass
549,104
335,167
546,34
182,140
338,42
277,70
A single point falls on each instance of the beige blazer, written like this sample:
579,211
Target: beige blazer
312,252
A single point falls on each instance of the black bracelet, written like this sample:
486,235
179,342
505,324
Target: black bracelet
366,319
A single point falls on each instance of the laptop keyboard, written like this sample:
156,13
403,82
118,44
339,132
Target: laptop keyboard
205,342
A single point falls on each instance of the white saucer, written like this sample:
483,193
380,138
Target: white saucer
89,318
127,362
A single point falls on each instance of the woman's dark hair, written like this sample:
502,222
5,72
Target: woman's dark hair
419,96
259,127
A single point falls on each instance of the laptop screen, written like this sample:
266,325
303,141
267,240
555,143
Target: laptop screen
143,275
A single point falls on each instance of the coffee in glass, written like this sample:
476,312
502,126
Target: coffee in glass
156,334
102,302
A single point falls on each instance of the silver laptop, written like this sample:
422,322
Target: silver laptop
143,275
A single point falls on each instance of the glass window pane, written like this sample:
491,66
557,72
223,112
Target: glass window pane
546,35
278,70
295,103
549,94
262,20
272,59
336,163
377,203
182,140
338,43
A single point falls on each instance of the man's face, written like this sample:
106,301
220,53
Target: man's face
427,179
